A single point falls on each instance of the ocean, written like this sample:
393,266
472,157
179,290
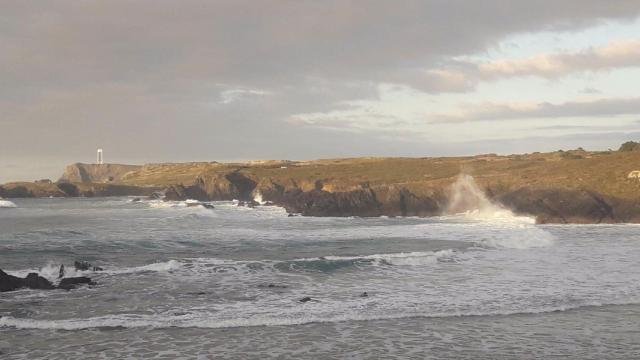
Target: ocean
227,283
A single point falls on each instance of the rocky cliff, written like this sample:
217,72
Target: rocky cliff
67,189
560,187
96,173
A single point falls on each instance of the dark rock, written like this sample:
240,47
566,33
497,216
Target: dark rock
34,281
71,283
561,206
273,286
10,282
85,266
155,196
358,202
81,265
248,203
305,299
175,193
69,189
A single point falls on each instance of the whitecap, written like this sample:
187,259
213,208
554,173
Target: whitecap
211,321
7,204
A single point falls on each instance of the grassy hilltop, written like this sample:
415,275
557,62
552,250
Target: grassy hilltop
562,186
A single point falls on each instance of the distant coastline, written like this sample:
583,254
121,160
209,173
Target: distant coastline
574,186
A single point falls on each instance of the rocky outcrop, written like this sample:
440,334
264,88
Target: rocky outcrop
100,190
65,189
28,190
85,266
570,206
73,282
96,173
216,187
37,282
561,187
32,281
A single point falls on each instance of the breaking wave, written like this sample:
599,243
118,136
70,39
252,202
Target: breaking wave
468,200
7,204
210,321
215,265
50,271
468,203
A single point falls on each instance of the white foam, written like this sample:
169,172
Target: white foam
211,321
258,198
408,258
468,201
7,204
50,271
160,204
165,266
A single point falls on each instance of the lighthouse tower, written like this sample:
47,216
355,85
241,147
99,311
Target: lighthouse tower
100,159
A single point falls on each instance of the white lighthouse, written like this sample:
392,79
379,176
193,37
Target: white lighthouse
100,159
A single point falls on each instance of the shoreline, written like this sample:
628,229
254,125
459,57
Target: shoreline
575,187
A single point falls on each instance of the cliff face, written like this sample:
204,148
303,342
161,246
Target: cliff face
96,173
66,189
560,187
548,205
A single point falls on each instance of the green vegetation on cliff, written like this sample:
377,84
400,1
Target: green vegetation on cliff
563,186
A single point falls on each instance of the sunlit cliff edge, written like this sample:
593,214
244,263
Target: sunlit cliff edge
561,187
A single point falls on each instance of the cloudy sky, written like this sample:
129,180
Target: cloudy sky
159,80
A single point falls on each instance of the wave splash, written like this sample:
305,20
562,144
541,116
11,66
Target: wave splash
7,204
469,203
467,198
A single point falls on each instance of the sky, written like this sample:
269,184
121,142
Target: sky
168,81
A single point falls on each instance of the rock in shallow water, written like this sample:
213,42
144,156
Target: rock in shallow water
71,283
37,282
84,266
32,281
9,282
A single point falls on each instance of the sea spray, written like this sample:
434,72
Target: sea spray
258,198
470,203
6,204
466,196
468,199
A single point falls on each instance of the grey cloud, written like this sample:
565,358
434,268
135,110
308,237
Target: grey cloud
465,76
590,91
142,78
595,108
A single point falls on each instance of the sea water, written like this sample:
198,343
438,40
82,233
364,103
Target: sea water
188,282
